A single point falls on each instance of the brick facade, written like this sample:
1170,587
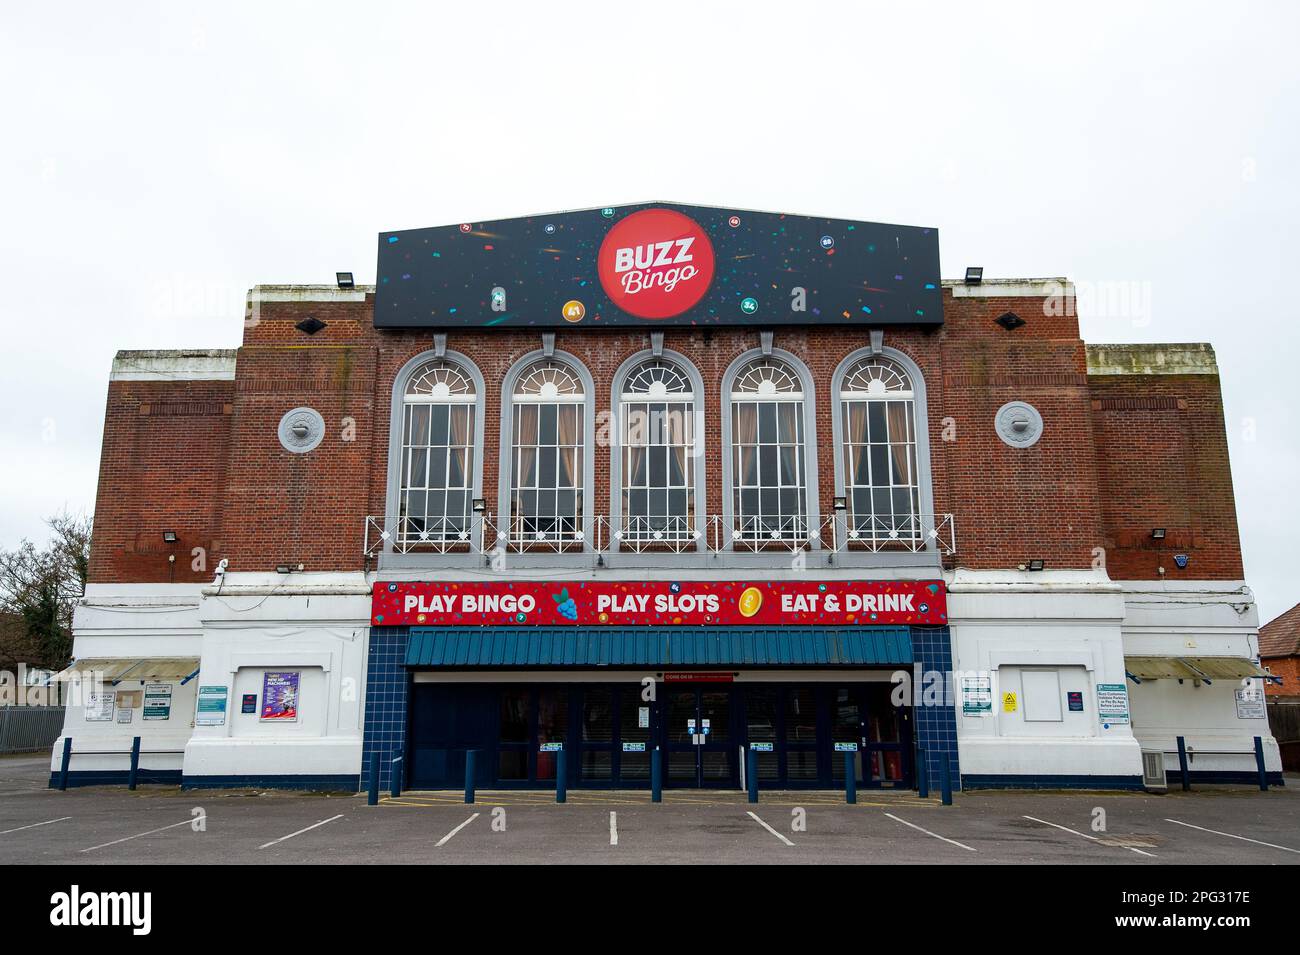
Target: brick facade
1120,454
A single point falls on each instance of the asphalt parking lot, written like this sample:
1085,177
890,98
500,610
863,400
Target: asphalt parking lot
109,825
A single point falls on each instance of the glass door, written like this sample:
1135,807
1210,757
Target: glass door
698,738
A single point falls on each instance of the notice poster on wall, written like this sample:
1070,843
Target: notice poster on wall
1250,705
210,710
280,696
101,707
976,695
1112,703
157,701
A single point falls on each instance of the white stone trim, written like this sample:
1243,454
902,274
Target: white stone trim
1012,288
307,293
191,364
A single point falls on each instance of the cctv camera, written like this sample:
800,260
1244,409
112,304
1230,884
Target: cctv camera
222,565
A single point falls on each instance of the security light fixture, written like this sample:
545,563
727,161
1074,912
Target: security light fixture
974,274
840,503
169,537
1010,321
1158,534
345,279
1037,564
310,325
480,505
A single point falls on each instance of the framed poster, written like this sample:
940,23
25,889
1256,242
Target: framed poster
976,695
101,707
280,696
211,707
157,701
1112,702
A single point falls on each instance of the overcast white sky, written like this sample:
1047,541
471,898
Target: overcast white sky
160,159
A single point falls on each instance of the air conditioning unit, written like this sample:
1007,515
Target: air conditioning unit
1153,771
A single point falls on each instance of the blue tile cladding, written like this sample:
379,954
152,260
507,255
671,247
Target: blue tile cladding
387,683
936,726
388,686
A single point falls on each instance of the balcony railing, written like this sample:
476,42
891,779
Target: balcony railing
684,534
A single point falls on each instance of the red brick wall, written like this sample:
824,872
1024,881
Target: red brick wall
162,468
1162,455
1288,668
269,506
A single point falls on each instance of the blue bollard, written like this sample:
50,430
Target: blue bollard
850,779
751,773
656,776
63,768
1182,763
561,776
922,774
946,780
372,797
395,785
1259,764
469,775
135,764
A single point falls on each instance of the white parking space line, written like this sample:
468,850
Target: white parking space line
139,835
447,838
35,825
613,828
1234,836
770,829
315,825
954,842
1149,855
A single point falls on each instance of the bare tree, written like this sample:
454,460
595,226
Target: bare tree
39,588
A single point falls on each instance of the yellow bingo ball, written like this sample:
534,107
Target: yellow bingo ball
574,311
750,600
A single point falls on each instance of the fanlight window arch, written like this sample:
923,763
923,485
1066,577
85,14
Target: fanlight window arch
768,378
440,380
437,477
548,445
548,380
769,459
879,448
658,448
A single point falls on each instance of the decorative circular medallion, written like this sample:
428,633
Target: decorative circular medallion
301,430
1019,424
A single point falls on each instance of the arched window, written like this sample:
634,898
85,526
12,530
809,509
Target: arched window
878,437
769,468
437,468
657,421
546,467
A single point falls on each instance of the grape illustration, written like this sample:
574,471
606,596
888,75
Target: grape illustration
567,607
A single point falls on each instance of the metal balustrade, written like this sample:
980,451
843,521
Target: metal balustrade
838,532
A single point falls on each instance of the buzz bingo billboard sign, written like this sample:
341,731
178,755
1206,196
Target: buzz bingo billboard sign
660,603
658,264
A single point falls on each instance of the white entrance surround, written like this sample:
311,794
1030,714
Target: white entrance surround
1178,618
1040,636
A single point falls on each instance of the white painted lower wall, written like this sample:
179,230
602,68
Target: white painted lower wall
240,628
1191,619
1040,636
132,621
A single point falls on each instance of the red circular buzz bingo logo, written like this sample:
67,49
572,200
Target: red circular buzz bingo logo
656,263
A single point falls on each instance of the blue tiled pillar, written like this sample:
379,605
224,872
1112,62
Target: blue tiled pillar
387,686
936,725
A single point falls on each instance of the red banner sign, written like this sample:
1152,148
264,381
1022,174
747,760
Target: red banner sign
866,603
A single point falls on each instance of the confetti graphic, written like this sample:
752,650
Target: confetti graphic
691,265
